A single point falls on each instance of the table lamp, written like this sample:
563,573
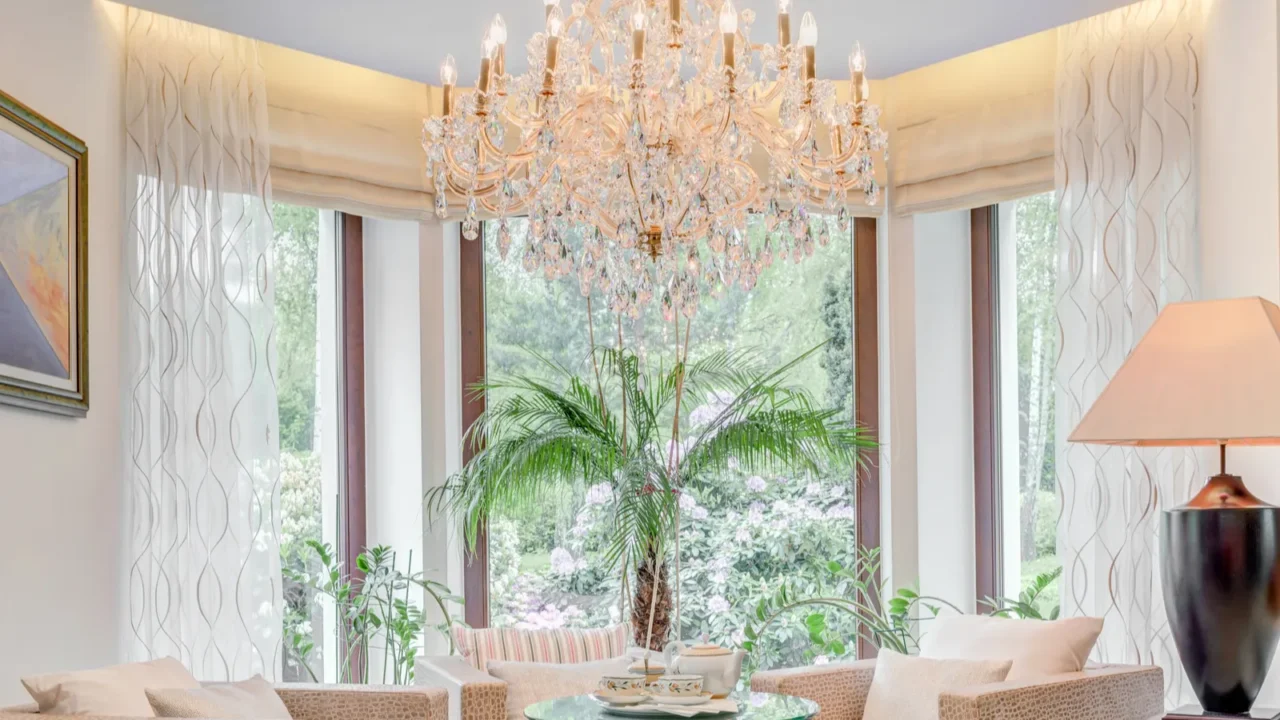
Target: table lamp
1208,373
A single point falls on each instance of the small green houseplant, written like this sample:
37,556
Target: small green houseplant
376,613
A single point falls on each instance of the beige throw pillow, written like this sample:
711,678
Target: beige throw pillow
1036,647
529,683
116,690
908,688
252,699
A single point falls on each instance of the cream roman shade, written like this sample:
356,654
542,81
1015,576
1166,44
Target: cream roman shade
971,131
345,137
974,130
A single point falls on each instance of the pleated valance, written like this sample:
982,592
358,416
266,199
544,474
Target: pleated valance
974,130
970,131
1001,151
345,137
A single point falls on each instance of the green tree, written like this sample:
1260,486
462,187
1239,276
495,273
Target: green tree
295,252
622,429
836,312
1035,234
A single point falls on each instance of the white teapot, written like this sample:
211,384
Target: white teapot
719,667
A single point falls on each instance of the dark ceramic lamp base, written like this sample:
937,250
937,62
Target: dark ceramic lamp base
1221,563
1193,712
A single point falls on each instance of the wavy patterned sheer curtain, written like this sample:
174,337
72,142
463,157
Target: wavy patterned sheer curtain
1128,239
201,441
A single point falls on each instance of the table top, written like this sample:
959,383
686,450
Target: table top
752,706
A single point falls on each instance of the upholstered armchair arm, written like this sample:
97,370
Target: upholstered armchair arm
840,689
1107,693
473,695
363,702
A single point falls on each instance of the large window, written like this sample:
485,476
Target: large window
311,423
1028,352
738,541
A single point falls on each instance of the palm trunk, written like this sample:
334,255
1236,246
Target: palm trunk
643,600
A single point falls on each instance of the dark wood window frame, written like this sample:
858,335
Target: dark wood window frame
866,392
352,516
866,384
984,242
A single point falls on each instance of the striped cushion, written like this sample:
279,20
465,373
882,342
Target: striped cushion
560,646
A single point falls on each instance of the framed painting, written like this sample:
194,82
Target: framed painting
44,228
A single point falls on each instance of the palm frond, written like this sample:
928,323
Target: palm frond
544,436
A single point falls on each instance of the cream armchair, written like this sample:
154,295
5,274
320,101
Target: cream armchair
1115,692
473,694
324,702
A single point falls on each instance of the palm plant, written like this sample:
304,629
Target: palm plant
626,426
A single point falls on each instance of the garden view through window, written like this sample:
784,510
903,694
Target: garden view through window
304,253
1028,272
741,534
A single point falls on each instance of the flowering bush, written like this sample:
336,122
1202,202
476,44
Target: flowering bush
741,536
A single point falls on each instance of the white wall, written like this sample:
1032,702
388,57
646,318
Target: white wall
1240,183
944,407
441,339
61,488
898,490
393,391
413,396
1240,194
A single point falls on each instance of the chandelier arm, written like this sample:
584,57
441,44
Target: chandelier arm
689,203
636,194
775,88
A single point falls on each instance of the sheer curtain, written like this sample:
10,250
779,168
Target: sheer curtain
1128,245
201,442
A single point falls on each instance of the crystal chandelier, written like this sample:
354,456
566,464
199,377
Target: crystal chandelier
650,125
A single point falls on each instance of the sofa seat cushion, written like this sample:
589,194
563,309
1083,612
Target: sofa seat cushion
559,645
529,683
1037,647
118,690
252,699
908,688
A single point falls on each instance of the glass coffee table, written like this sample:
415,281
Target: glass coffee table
751,706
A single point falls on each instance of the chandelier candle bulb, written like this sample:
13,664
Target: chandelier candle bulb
549,5
637,31
448,77
498,33
729,28
486,65
784,23
857,68
808,43
554,25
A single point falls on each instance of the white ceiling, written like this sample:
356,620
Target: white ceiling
409,37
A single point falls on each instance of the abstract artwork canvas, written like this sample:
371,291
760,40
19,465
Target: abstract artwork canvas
43,227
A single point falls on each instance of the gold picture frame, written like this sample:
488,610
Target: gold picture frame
44,263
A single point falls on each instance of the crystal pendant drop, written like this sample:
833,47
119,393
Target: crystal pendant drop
442,206
773,215
471,225
842,219
824,235
504,239
799,223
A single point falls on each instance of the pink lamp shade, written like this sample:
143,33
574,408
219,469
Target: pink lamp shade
1206,373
